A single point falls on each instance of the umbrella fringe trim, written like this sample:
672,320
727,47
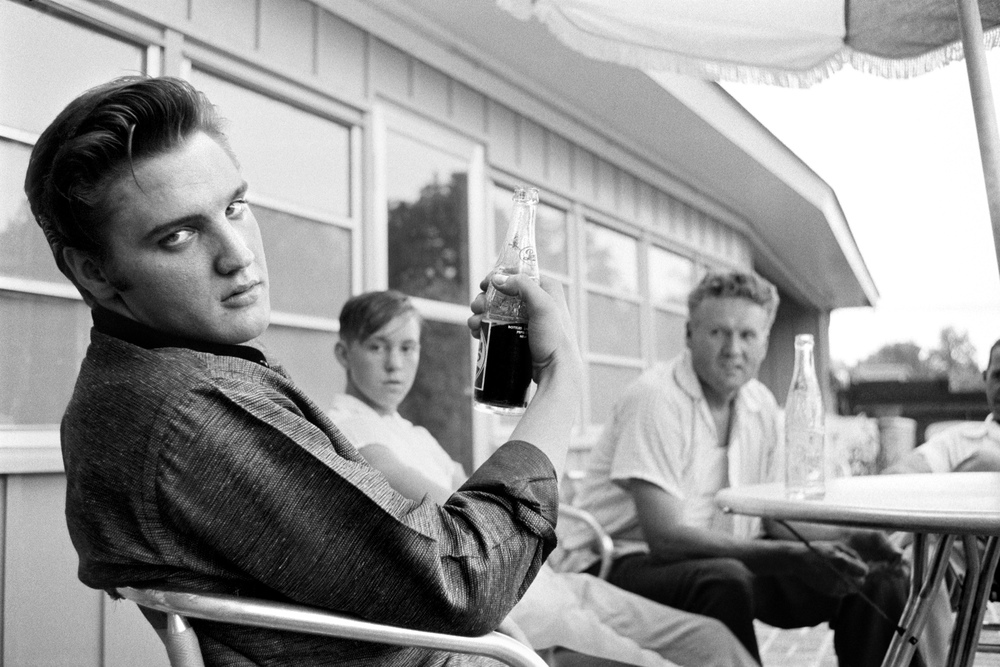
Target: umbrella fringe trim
904,68
648,58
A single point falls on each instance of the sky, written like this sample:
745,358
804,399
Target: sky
903,159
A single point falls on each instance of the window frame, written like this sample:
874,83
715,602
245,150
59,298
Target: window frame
35,448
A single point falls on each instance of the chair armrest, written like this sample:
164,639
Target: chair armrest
605,545
297,618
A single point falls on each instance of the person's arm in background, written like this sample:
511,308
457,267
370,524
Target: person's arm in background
951,451
660,515
408,481
556,364
914,462
413,484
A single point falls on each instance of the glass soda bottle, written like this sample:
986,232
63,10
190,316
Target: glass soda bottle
503,367
804,432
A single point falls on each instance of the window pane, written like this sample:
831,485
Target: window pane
612,259
427,190
670,277
42,342
308,263
607,383
550,231
308,357
41,68
24,253
670,334
613,326
441,398
286,153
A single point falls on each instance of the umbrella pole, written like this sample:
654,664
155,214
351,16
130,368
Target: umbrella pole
982,107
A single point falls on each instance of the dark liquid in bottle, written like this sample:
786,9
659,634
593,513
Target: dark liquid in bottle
503,370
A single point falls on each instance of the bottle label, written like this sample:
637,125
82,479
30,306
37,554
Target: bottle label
503,367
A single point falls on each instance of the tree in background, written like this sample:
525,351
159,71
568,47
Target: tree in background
953,358
955,354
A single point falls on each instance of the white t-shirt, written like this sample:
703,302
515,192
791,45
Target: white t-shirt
412,445
576,611
662,432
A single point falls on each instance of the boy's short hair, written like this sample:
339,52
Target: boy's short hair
366,313
97,139
737,284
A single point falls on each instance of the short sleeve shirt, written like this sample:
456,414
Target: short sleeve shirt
950,448
662,432
413,445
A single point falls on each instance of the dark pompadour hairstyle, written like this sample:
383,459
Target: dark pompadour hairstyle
736,284
366,313
98,138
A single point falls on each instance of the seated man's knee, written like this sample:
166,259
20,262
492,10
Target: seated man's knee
728,578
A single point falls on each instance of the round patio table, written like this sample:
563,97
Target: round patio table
955,507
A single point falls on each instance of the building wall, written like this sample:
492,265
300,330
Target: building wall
795,318
322,105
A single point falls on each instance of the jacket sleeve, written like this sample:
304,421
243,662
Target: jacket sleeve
260,494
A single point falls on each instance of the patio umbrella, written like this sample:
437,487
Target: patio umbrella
794,43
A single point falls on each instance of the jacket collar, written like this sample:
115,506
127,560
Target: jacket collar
118,326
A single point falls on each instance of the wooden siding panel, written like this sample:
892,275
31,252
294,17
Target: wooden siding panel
390,70
232,22
504,138
646,203
468,109
628,203
686,224
744,252
50,618
662,211
606,185
560,163
430,90
583,177
533,152
170,11
287,34
340,62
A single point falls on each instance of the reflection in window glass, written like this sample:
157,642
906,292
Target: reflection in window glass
612,259
24,253
670,277
440,400
39,76
428,203
607,384
285,153
308,263
550,231
613,326
42,342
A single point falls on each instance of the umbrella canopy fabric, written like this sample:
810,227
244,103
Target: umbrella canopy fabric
793,43
790,43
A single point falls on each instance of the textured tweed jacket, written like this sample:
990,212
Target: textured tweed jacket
209,470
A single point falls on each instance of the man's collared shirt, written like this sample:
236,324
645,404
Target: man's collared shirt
662,432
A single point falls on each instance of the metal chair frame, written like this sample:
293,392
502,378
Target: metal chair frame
295,618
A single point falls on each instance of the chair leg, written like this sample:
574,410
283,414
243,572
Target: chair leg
181,642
